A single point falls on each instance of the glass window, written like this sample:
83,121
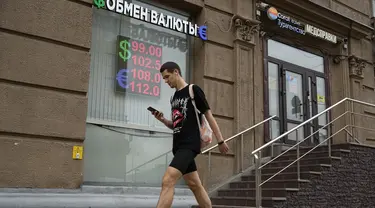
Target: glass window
295,56
273,88
124,142
321,98
275,129
273,98
126,156
297,133
127,48
294,96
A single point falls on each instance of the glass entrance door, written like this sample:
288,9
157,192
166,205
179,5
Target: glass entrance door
296,92
294,99
295,95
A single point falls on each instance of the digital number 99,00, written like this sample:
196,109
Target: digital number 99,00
151,50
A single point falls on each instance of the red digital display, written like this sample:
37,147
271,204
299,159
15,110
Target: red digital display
138,65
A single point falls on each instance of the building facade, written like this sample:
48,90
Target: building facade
77,76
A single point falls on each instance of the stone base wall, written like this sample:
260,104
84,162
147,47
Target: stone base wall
348,183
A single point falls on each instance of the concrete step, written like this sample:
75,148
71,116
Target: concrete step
138,190
292,183
246,201
313,154
282,176
293,168
250,192
303,161
321,148
226,206
87,200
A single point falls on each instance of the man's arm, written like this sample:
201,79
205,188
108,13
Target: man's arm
167,123
160,116
215,128
203,106
223,147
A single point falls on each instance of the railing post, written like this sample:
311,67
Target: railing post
271,138
298,171
166,161
352,120
209,163
241,153
258,179
329,140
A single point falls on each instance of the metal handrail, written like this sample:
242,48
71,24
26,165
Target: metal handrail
298,159
145,163
297,127
257,153
209,149
232,137
309,120
238,134
303,140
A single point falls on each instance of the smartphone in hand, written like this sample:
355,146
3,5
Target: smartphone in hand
151,109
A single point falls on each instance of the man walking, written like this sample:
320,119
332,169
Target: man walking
186,137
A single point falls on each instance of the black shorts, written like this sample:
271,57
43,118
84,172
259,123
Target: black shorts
183,161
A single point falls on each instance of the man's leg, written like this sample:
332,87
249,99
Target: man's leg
170,179
193,181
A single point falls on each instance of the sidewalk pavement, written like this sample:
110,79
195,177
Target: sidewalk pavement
92,197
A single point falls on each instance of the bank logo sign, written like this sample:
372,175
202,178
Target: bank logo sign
148,15
272,13
287,22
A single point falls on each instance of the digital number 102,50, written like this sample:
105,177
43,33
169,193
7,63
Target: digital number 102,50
146,62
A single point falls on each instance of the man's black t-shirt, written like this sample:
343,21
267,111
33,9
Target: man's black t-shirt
185,127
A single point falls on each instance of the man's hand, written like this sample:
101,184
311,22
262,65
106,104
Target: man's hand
158,115
223,148
215,128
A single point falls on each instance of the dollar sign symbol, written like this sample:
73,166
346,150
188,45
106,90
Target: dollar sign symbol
99,3
124,45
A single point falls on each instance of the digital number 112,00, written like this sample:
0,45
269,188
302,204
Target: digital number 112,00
145,89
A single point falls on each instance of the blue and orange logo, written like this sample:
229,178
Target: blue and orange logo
272,13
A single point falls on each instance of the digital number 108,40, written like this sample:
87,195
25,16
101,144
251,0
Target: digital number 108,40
144,89
146,75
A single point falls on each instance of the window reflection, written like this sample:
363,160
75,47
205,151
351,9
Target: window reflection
107,103
299,132
131,146
273,87
294,97
321,98
295,56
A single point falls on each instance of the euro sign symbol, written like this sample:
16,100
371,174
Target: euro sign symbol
122,78
99,3
203,32
124,45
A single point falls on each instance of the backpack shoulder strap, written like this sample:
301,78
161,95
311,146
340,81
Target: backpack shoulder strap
191,92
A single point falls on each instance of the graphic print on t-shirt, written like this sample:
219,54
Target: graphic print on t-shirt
179,111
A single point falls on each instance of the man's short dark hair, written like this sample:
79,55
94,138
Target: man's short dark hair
170,66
